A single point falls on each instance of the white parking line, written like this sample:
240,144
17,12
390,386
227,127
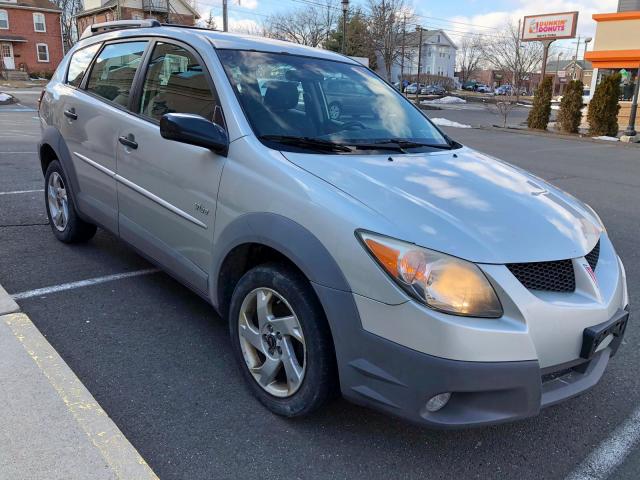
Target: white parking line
611,452
82,283
15,192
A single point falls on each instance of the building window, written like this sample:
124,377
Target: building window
4,19
39,24
43,52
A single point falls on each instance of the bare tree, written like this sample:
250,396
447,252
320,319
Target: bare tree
387,19
469,57
309,26
503,108
68,22
512,56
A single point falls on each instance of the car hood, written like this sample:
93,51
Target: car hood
463,203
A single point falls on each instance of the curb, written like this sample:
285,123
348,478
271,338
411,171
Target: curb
122,459
559,136
7,304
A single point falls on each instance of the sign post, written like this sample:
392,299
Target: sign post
547,29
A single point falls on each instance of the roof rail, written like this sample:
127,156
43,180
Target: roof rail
98,28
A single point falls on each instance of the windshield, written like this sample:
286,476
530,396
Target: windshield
324,104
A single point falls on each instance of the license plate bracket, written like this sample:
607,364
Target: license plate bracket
592,337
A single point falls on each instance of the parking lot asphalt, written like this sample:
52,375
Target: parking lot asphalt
158,360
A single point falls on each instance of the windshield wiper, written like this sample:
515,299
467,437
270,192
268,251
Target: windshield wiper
403,143
306,142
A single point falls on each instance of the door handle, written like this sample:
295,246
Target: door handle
128,141
71,113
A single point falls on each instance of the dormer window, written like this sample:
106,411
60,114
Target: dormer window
39,24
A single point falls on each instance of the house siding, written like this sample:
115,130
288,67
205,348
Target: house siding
25,54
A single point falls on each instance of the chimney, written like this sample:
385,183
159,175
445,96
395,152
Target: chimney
628,5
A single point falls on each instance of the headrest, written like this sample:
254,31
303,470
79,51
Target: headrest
281,95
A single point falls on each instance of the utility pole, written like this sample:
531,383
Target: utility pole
631,128
419,62
516,73
345,10
404,36
225,16
575,60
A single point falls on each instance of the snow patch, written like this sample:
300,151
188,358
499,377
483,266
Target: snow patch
443,122
5,97
608,139
444,100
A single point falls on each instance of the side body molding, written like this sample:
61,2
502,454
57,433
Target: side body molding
282,234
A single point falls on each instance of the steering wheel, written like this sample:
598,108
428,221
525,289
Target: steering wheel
353,125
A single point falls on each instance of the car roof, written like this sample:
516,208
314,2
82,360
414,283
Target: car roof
223,40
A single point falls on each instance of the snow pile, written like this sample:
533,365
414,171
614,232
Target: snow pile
444,100
5,97
608,139
443,122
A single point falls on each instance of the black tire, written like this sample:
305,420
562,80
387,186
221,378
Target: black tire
75,230
319,383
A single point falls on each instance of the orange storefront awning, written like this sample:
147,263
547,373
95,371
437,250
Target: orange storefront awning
614,59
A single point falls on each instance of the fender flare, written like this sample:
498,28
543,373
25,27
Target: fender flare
52,137
287,237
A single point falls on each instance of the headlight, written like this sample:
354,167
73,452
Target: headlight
442,282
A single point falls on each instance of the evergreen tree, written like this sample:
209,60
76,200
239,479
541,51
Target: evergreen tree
358,39
570,114
541,111
604,107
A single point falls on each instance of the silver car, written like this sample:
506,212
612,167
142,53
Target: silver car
375,257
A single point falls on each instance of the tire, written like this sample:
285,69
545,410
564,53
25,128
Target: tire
65,223
335,111
290,291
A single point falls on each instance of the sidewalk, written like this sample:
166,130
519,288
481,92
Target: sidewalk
50,425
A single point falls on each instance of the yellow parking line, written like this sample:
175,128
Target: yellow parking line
120,455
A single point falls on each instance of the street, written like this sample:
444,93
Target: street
158,359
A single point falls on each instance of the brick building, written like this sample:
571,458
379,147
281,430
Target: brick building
30,38
166,11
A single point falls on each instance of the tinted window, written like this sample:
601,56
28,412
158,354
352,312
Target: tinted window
112,75
176,83
79,63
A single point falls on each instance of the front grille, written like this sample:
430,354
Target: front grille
555,276
593,256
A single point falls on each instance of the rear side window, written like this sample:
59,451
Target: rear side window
112,74
79,63
176,83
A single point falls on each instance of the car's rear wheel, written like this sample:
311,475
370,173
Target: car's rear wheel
335,111
65,223
281,340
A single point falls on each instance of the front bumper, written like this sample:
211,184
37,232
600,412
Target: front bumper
398,380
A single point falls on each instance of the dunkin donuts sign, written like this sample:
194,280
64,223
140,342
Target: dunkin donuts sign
550,27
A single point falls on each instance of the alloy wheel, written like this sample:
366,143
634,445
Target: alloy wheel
272,342
58,201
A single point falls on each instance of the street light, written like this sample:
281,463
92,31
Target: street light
345,9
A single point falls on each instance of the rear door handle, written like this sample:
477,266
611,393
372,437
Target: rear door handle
71,113
128,141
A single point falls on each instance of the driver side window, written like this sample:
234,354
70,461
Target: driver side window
175,82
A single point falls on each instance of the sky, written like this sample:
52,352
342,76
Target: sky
457,18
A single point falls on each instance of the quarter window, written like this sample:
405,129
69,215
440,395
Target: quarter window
43,52
176,83
39,24
4,19
79,63
112,74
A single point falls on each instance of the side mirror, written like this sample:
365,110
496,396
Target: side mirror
194,130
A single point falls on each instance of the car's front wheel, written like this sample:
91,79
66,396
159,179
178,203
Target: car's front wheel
65,223
281,340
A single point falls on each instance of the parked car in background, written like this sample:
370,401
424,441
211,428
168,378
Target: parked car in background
469,85
377,257
433,90
482,88
413,88
347,98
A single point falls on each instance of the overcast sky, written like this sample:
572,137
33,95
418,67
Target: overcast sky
456,17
